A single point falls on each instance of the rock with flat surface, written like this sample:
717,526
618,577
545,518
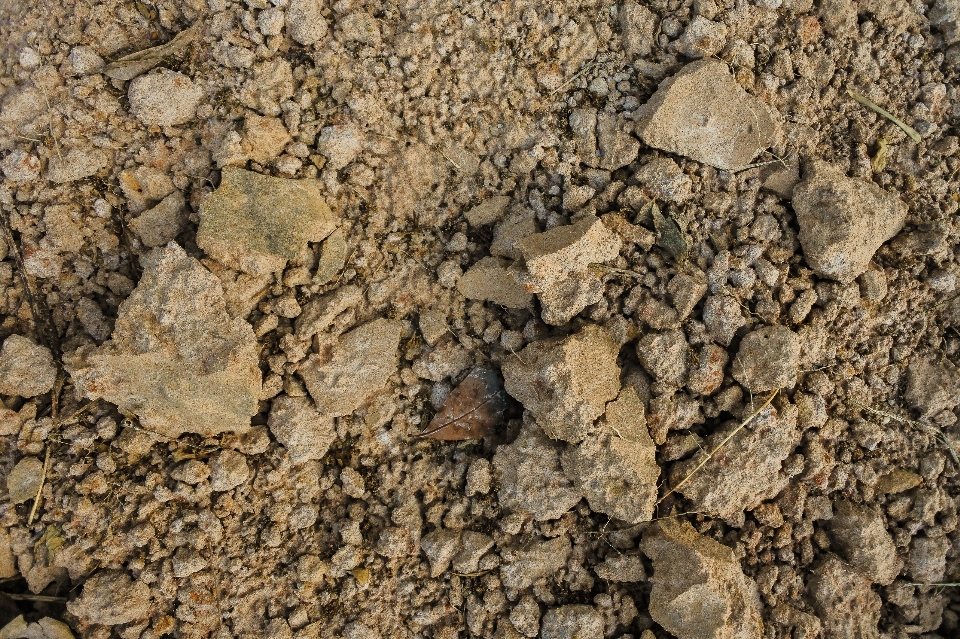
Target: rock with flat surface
768,359
302,429
616,469
163,223
703,114
843,221
23,482
844,601
557,266
358,366
530,478
489,280
256,223
26,368
565,383
747,470
177,359
488,211
699,590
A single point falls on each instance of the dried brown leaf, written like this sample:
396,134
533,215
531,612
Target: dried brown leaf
130,66
473,410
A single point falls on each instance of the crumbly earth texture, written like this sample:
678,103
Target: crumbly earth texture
489,171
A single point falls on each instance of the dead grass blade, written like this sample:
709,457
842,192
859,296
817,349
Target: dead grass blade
719,446
928,428
909,130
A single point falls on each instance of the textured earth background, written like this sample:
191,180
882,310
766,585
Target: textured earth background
251,248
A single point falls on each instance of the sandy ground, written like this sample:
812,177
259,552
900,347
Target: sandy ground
677,303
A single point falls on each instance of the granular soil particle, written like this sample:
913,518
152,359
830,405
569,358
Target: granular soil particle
251,248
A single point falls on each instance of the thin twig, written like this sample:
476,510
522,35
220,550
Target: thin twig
720,445
909,130
924,311
43,478
933,430
574,77
41,598
39,311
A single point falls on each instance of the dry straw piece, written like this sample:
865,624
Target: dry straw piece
720,445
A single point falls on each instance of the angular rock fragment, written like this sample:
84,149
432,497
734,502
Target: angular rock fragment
530,477
859,533
302,429
333,255
256,223
927,559
358,366
615,146
228,469
573,620
164,98
557,264
664,356
843,221
488,211
747,470
111,598
524,566
617,469
621,568
163,223
264,138
672,411
489,280
130,66
440,546
703,114
23,482
699,590
177,359
26,368
702,38
768,359
565,383
637,26
844,601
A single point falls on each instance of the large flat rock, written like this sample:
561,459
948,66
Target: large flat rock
703,114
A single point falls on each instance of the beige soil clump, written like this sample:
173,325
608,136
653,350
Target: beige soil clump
843,221
359,365
699,590
177,359
565,382
703,114
256,223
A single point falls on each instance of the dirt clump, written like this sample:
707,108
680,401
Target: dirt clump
434,320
